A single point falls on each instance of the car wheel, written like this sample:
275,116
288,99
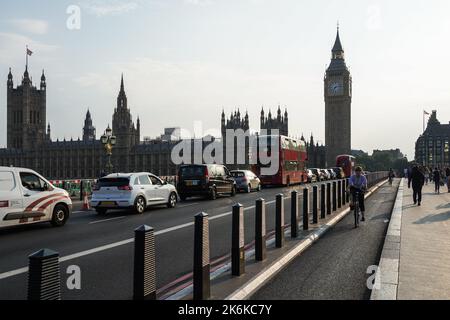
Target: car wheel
60,215
259,187
100,211
172,200
213,193
249,188
139,205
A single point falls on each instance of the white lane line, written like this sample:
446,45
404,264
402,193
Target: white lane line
106,220
13,273
16,272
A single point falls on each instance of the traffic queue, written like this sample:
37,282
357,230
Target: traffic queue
26,197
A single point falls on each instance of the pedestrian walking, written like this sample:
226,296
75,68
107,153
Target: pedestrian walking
427,175
417,180
437,180
405,173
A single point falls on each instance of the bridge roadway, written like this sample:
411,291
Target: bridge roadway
102,245
336,266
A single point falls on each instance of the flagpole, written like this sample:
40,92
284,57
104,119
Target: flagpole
26,53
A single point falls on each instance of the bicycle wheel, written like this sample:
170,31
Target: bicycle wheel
356,215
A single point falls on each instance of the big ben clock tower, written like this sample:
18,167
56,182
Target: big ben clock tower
338,101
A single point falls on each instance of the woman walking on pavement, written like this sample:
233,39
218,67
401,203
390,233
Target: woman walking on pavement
437,180
427,175
417,179
447,178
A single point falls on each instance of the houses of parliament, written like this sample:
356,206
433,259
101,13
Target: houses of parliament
30,143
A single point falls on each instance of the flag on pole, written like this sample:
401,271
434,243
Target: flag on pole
425,113
29,52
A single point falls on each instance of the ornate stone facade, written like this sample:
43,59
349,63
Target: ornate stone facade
433,146
29,145
280,122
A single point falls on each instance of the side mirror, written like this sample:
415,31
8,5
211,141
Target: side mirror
45,186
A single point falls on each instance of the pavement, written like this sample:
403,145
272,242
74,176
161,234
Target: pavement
339,266
418,268
102,246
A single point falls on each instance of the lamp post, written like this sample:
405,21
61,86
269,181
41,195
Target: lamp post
108,141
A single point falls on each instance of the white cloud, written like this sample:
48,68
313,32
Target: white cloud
198,2
102,8
31,25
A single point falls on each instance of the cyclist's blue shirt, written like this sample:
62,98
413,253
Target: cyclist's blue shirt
360,183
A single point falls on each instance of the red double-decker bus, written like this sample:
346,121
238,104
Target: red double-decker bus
292,157
347,163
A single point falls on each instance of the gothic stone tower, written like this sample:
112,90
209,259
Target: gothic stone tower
128,135
26,113
88,129
279,122
338,100
236,122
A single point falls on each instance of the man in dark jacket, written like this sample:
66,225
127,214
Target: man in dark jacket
417,180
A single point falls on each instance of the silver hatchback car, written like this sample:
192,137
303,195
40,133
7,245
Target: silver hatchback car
246,180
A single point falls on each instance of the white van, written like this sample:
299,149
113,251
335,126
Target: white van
26,197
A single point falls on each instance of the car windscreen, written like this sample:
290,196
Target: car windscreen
237,174
192,171
113,182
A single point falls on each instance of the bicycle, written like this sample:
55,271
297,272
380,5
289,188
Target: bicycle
355,206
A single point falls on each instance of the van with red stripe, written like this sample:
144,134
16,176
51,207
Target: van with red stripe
26,198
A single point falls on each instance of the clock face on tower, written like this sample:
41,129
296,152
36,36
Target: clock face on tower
336,87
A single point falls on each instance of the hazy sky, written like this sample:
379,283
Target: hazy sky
183,60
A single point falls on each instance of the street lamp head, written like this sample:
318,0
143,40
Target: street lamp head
104,139
112,140
108,132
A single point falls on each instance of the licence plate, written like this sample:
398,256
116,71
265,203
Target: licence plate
192,183
108,203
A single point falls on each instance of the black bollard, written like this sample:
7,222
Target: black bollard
237,241
81,190
305,209
202,288
339,194
144,276
328,198
279,221
44,275
322,202
260,230
334,196
294,214
314,204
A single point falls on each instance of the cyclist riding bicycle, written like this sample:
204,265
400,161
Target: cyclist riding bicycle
358,184
391,175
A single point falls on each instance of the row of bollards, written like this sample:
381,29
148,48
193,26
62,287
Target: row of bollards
44,271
